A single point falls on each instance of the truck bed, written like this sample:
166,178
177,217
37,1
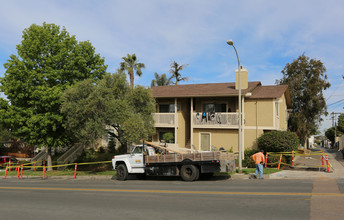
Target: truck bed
199,156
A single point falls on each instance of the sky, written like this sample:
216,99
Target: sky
267,34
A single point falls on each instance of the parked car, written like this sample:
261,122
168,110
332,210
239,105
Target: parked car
5,159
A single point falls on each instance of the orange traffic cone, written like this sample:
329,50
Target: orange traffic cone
76,165
327,163
6,171
279,163
266,158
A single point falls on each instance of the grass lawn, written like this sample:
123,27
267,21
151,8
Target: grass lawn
253,170
60,173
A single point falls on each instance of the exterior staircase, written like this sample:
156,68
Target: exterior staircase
43,155
70,155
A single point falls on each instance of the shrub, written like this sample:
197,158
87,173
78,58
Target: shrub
248,161
168,137
278,141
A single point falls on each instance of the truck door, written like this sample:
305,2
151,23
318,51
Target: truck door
136,157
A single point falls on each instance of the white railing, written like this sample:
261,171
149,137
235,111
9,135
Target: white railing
164,119
215,120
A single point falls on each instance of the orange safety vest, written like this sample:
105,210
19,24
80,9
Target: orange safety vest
258,158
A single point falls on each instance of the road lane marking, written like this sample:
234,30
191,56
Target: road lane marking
178,191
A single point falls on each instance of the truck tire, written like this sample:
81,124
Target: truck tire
189,173
122,172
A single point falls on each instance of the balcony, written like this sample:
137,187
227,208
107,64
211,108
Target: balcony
216,120
164,120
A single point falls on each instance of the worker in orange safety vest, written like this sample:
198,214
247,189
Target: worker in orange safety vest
259,159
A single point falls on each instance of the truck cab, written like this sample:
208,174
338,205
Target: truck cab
132,163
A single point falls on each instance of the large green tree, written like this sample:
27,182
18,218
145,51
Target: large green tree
91,108
49,60
131,65
306,80
160,80
341,122
175,71
336,131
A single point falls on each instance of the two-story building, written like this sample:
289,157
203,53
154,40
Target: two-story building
205,116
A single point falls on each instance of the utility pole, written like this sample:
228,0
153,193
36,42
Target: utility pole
334,119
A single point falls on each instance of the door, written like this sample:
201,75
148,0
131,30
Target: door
205,141
136,157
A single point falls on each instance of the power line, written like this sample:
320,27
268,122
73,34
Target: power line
336,102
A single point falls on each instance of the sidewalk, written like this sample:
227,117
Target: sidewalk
335,159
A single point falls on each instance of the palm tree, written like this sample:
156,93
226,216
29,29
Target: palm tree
160,80
175,69
130,64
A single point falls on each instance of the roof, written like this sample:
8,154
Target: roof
271,92
201,90
262,92
221,90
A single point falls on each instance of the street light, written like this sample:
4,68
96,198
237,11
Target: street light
230,43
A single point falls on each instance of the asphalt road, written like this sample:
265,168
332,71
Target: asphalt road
159,198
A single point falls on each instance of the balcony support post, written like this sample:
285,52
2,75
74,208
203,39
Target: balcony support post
175,122
191,123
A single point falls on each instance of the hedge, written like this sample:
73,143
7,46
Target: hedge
278,141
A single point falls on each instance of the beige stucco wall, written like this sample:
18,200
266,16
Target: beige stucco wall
226,138
183,123
283,114
260,115
259,112
250,138
250,111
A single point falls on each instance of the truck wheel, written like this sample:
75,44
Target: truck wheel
189,172
122,172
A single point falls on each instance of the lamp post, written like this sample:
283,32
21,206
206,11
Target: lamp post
230,43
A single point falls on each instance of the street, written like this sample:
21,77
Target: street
163,198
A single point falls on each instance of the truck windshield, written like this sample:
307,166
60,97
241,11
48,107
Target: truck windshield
137,150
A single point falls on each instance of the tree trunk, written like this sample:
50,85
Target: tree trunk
131,74
50,163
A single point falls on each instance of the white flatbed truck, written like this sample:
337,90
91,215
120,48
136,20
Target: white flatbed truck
189,166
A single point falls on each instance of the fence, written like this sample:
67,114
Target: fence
322,159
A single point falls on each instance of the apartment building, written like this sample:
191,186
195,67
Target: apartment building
205,116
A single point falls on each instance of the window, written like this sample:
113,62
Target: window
137,150
168,108
212,107
168,137
277,109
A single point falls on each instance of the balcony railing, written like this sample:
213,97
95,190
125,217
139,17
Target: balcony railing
215,120
164,119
